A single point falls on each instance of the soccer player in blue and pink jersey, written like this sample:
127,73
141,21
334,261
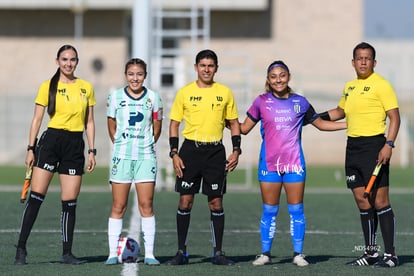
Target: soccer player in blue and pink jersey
282,114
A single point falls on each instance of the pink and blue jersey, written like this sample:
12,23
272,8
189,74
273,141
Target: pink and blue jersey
281,129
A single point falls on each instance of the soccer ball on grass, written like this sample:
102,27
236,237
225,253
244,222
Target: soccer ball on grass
128,250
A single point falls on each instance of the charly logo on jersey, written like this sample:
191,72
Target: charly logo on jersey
186,185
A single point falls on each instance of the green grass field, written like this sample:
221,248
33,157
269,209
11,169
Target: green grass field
320,177
333,232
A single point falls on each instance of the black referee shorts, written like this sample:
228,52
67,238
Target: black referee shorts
205,166
361,159
61,151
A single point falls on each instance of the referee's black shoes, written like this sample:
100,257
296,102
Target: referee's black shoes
21,254
365,259
220,259
180,258
70,259
387,261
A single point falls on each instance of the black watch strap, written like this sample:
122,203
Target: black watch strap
92,151
390,143
238,150
172,153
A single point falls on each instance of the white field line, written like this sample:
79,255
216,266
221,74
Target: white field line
134,230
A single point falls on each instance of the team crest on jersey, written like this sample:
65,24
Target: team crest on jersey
296,106
114,169
148,104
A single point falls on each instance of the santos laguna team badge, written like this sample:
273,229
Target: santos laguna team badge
148,104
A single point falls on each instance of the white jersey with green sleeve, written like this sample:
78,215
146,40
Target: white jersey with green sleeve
134,136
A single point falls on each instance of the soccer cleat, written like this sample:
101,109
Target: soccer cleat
180,258
151,261
112,261
220,259
365,259
299,260
20,258
387,261
70,259
261,259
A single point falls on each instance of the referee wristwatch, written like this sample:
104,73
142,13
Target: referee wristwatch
172,153
92,151
238,150
32,148
390,143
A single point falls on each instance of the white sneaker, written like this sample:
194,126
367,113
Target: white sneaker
261,260
299,260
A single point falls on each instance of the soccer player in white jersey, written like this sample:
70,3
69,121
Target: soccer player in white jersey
134,123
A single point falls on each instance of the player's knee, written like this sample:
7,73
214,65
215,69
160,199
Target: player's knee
118,210
270,210
296,210
146,210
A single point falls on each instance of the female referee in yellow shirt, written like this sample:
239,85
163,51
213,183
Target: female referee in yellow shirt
69,102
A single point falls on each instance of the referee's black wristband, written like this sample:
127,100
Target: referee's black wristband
236,141
325,116
173,143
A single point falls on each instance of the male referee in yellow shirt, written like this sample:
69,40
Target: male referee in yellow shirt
366,103
204,105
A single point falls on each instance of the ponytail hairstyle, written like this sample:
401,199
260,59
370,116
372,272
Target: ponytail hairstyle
277,63
51,107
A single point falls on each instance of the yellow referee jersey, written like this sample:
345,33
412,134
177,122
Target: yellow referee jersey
72,101
365,102
204,111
